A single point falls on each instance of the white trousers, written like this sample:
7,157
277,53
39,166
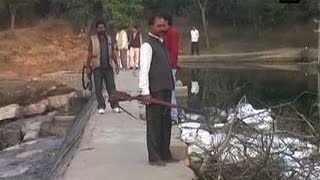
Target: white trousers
134,57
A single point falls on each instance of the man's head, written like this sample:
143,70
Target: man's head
124,28
193,28
157,25
168,20
101,27
135,28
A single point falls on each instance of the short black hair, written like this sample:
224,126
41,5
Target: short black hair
153,18
136,26
168,17
100,22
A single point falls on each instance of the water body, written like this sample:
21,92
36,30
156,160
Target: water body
263,85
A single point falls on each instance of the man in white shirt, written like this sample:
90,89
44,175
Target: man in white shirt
194,40
122,44
156,81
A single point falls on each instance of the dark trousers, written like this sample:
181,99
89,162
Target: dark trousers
194,48
107,76
159,127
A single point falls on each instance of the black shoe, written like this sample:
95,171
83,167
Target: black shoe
158,163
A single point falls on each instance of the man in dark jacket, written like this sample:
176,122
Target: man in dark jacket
156,81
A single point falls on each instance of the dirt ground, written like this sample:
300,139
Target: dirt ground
54,46
28,53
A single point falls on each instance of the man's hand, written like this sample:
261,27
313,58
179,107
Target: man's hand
117,69
146,99
88,69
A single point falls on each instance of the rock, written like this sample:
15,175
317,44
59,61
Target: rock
35,109
31,161
19,146
47,129
12,136
11,172
12,111
64,119
182,91
28,154
45,101
52,88
178,150
60,100
31,131
179,83
58,127
12,148
35,79
195,163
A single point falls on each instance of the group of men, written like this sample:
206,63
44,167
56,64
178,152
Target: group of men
128,43
157,60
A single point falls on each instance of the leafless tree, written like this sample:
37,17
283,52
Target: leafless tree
244,151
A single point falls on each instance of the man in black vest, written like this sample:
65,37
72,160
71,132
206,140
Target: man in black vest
100,56
156,81
135,42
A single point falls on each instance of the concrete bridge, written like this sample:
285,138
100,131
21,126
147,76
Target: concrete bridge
113,146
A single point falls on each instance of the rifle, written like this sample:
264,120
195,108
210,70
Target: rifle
123,96
88,84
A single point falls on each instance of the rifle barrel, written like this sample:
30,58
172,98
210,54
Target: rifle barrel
123,96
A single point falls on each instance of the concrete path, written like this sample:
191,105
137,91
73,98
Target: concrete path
114,146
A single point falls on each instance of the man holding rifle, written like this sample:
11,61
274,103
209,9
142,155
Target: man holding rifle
101,52
156,81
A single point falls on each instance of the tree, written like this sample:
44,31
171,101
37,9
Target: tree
13,6
123,12
172,6
261,15
58,8
118,12
203,4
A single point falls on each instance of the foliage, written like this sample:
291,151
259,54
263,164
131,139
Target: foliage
13,6
173,6
238,13
260,14
123,12
82,11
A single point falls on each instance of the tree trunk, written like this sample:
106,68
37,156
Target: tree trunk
318,31
203,9
205,28
13,11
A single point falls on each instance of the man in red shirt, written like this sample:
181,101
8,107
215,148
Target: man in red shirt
171,40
